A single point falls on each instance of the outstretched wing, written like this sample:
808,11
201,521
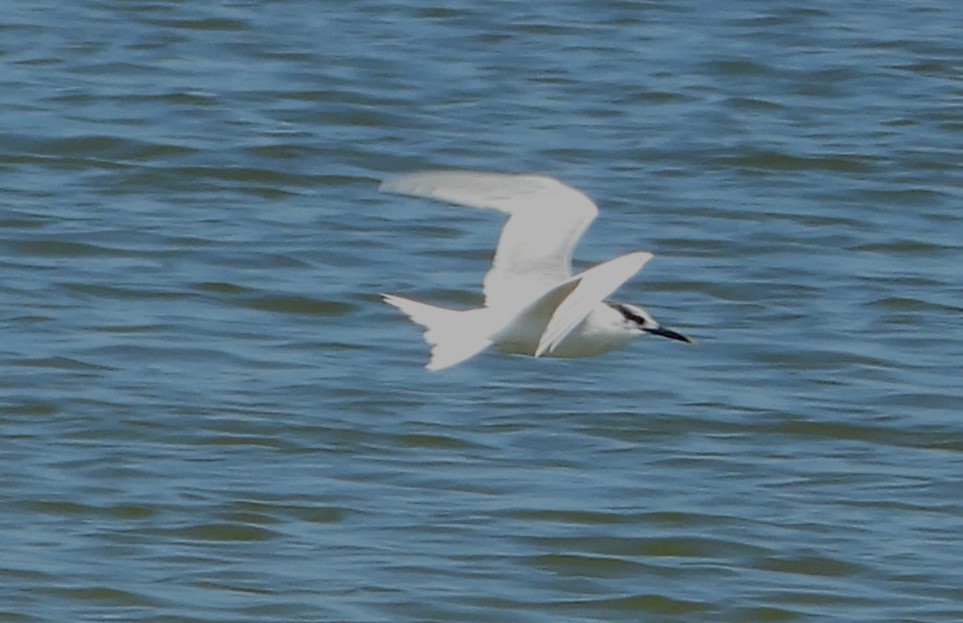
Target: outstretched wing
593,286
546,219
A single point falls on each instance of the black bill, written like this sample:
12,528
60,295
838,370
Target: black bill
669,333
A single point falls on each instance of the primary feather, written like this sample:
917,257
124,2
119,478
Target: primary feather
546,219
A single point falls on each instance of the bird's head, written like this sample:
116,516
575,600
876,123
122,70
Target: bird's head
639,319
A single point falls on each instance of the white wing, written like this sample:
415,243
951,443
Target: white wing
546,219
593,286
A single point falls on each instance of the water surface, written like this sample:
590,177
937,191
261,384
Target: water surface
208,415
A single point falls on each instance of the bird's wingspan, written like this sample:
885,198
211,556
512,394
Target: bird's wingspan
546,220
593,286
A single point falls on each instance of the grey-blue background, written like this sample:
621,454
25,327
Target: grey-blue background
207,414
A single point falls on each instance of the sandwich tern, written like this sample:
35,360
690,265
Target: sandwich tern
533,304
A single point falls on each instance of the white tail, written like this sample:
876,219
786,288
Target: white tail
452,334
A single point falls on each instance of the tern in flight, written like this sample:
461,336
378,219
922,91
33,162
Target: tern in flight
533,304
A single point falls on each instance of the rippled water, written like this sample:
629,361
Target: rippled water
208,415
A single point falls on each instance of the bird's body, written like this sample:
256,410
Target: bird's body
603,330
533,304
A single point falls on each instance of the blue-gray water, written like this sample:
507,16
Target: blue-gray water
208,415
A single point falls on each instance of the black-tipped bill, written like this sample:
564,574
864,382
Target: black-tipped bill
669,333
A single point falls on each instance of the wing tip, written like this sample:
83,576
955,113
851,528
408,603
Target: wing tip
389,184
426,182
422,183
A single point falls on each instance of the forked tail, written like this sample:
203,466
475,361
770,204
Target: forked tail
452,334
